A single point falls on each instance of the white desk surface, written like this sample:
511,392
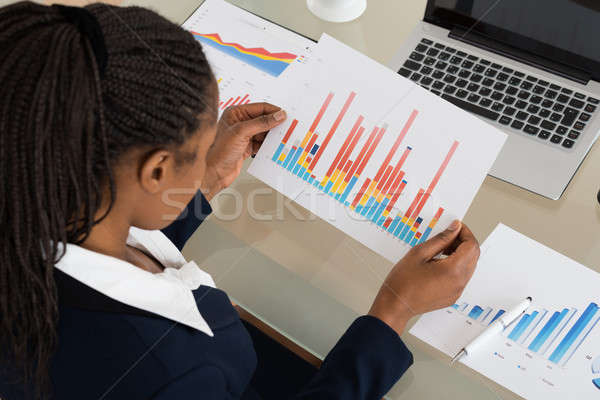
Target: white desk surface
309,281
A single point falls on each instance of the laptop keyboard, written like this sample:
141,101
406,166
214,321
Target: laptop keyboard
525,103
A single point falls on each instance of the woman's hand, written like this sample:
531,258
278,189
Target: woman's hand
240,132
420,283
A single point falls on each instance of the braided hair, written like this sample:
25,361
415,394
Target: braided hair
63,127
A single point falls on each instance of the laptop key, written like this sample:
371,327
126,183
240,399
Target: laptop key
461,94
593,100
530,129
467,64
576,103
473,87
584,117
461,53
544,135
472,107
461,83
491,72
531,78
554,86
485,62
520,104
416,56
476,78
438,85
547,103
497,106
427,41
449,78
526,85
502,77
580,96
568,143
543,83
566,91
485,102
410,64
436,92
504,120
512,90
556,139
555,117
437,74
558,107
433,52
485,91
533,108
561,130
464,73
421,48
472,57
444,56
535,99
533,120
497,96
499,86
449,89
548,125
450,50
415,77
517,124
509,111
590,108
404,72
456,60
452,69
508,100
487,82
550,94
479,68
522,115
514,81
563,98
473,98
429,61
441,65
497,66
538,89
508,70
426,80
426,70
544,113
523,95
573,135
579,126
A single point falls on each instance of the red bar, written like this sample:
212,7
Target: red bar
414,203
226,104
308,159
360,155
436,178
289,131
361,192
220,104
399,139
310,144
371,150
247,101
396,171
385,176
332,130
321,112
352,145
314,177
439,213
342,150
244,98
235,101
395,194
347,167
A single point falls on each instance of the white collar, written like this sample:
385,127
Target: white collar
168,294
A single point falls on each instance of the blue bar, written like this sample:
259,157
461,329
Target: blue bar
279,162
393,224
307,176
289,157
405,231
314,149
411,232
311,180
347,203
381,209
337,196
547,330
295,160
302,172
328,186
399,228
574,349
381,221
278,152
349,188
297,166
498,315
414,242
316,183
525,320
373,208
358,209
455,306
425,235
475,312
366,207
573,333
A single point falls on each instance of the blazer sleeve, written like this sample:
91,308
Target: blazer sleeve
364,364
190,219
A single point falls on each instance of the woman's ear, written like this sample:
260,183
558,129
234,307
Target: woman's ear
156,171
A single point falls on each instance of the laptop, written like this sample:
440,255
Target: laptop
530,68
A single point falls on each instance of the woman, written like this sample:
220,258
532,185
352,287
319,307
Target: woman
108,123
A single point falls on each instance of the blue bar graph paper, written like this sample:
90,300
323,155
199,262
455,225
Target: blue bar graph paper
498,315
575,330
544,334
521,326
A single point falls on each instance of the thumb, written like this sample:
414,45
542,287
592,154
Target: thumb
439,242
260,124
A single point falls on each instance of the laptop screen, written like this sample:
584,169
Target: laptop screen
564,31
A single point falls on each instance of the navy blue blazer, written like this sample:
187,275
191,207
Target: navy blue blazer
110,350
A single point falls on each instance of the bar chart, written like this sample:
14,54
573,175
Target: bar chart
374,155
300,152
234,101
549,352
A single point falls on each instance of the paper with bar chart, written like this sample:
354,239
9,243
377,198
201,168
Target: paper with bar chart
372,153
550,352
247,53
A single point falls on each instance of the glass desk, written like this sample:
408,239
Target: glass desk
308,280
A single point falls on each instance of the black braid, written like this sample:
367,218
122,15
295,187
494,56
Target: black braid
62,129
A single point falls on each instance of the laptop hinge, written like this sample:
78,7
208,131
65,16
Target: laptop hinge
486,43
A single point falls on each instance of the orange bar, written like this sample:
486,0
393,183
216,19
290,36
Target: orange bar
399,139
396,194
352,145
289,131
332,131
344,147
436,178
371,150
414,203
385,176
310,144
396,170
361,192
321,112
361,155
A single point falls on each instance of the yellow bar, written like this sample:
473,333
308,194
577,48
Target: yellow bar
343,187
410,222
338,182
385,213
432,223
305,140
220,79
367,194
324,180
282,157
